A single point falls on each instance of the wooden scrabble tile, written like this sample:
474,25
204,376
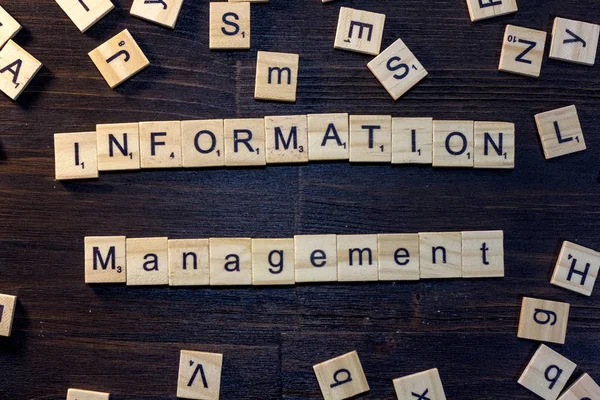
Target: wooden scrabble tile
483,9
162,12
249,1
273,262
316,258
286,139
547,373
105,259
244,142
422,385
199,375
560,132
370,138
9,27
398,257
584,388
397,69
574,41
576,268
7,313
359,31
543,320
160,144
440,255
482,254
202,143
357,258
75,155
341,377
189,262
328,137
17,69
78,394
494,144
229,26
412,140
230,261
522,51
147,261
118,146
276,76
119,58
453,144
85,13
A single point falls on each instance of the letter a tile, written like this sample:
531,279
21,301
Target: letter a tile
560,132
276,76
78,394
420,386
522,51
162,12
199,375
543,320
17,69
147,261
341,377
583,388
105,259
576,268
9,27
359,31
85,13
547,373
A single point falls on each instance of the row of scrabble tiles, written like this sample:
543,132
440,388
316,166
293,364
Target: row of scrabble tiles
283,139
304,258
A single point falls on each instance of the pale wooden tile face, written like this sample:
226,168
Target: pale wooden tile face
118,146
230,261
7,313
341,377
453,144
160,144
119,58
494,144
202,143
584,388
440,255
397,69
483,9
85,13
105,259
412,140
163,12
547,373
286,139
576,268
273,262
9,27
147,261
522,51
19,69
229,26
75,155
328,137
78,394
316,258
370,138
398,257
276,76
199,375
543,320
359,31
249,1
574,41
425,385
189,263
244,142
357,258
560,132
482,254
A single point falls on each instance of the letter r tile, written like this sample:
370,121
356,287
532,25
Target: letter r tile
341,377
547,373
543,320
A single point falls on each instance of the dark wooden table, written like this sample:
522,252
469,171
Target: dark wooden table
127,340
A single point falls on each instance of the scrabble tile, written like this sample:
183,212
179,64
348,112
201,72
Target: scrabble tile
316,258
75,155
483,9
230,261
328,137
560,132
423,385
359,31
249,1
440,255
398,257
547,373
118,146
85,13
147,261
341,377
119,58
453,144
397,69
543,320
161,12
412,140
482,254
189,263
357,258
576,268
229,26
273,262
9,27
494,144
202,143
522,51
77,394
370,138
105,259
7,313
574,41
276,76
17,69
584,388
199,375
286,139
245,142
160,144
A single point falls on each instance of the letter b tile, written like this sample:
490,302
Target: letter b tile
543,320
341,377
547,373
